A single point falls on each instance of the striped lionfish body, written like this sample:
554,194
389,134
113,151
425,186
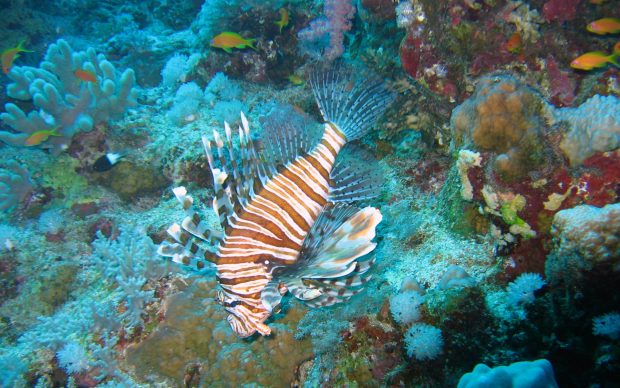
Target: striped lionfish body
288,225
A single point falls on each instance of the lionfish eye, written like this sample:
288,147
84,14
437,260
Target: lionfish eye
233,303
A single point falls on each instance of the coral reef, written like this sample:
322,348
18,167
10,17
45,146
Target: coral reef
594,126
62,101
337,20
502,117
187,336
15,186
519,374
585,237
499,175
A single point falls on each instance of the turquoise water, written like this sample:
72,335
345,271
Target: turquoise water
455,222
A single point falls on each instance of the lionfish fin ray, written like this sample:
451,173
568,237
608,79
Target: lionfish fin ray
353,104
353,182
328,270
286,141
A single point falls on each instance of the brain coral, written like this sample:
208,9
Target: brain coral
502,117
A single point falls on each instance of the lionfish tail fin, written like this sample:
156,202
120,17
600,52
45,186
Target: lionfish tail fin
353,104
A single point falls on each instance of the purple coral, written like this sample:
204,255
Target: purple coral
337,20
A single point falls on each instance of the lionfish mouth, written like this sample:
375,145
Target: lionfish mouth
245,323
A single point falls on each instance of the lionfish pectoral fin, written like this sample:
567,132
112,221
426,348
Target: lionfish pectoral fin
271,297
189,242
341,234
329,269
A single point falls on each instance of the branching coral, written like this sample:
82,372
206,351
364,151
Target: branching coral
130,260
63,101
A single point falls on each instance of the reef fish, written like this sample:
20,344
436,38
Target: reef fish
295,79
604,26
593,60
39,137
228,40
289,223
514,43
107,161
283,22
10,55
86,75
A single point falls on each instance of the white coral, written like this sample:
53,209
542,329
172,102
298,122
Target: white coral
594,127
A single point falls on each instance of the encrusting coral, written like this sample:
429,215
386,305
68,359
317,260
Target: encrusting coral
71,92
502,118
584,237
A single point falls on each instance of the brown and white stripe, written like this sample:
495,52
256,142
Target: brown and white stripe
275,223
283,228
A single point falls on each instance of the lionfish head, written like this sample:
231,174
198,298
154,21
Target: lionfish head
243,320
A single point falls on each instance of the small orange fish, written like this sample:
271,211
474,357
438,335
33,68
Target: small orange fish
604,26
10,55
514,43
86,75
39,137
594,59
228,40
283,22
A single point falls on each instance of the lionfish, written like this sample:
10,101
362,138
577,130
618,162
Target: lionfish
288,221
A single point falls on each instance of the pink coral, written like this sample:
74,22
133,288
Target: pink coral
337,20
560,10
562,86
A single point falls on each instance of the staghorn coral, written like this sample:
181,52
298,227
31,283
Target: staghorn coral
502,117
61,100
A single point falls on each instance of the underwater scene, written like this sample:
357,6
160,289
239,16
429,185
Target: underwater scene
304,193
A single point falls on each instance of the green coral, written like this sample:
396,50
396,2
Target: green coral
509,213
60,175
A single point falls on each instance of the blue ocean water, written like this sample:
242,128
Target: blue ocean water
405,193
